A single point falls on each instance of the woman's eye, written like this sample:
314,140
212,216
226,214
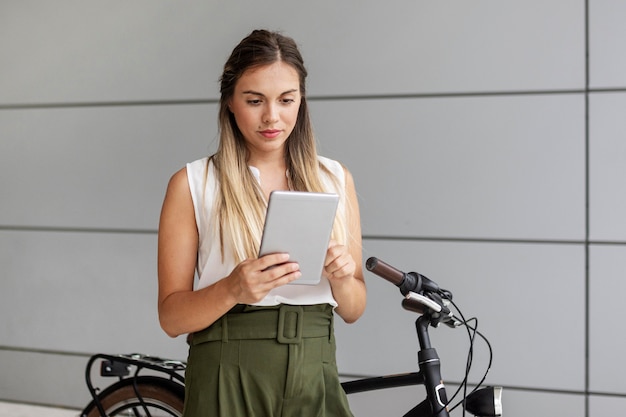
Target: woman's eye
254,102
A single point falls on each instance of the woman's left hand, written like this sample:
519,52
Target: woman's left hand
339,264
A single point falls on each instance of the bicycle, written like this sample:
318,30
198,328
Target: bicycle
161,393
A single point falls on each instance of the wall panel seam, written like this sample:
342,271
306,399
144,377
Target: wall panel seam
586,211
347,97
449,239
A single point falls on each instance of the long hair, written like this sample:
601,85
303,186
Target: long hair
240,205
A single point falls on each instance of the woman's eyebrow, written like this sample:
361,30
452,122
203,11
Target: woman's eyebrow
256,93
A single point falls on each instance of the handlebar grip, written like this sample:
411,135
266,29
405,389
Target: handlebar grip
414,306
385,271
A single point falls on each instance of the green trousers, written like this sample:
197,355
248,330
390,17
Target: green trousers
266,362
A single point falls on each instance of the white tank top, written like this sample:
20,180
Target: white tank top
210,267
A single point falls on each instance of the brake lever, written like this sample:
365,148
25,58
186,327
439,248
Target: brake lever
439,312
413,301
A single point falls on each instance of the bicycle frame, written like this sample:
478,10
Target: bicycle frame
429,375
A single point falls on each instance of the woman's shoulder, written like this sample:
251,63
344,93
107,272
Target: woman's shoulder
334,173
334,166
177,187
189,171
201,177
199,165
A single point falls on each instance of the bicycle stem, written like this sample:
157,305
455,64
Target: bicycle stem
429,365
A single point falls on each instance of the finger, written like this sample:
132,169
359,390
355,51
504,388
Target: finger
282,270
340,267
333,253
272,259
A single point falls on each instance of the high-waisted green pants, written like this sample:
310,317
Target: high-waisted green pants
266,362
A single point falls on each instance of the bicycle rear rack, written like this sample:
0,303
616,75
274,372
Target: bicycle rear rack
122,365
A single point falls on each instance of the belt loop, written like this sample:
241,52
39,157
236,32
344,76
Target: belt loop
224,321
290,320
331,327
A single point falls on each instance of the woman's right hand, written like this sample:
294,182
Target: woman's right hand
252,279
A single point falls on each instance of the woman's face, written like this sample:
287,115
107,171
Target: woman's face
265,104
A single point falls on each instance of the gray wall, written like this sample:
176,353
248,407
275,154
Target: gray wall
486,139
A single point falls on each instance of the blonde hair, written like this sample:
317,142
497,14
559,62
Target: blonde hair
240,206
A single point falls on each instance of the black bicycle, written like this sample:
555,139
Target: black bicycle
154,387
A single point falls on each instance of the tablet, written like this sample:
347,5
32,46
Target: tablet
300,224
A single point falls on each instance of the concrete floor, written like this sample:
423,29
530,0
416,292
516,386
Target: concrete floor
24,410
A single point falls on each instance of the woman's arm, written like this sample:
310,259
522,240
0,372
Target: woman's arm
183,310
344,263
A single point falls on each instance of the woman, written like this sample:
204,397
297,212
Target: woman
211,222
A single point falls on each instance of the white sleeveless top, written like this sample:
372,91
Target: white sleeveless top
210,267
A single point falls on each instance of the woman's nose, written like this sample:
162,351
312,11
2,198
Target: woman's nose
271,114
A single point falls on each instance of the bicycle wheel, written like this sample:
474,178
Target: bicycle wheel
162,398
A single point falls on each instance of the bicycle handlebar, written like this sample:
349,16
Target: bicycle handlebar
407,282
384,270
422,295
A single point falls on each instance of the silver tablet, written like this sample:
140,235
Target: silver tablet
300,223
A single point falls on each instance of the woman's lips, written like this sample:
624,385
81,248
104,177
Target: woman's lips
270,133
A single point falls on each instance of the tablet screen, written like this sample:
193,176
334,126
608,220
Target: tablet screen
300,223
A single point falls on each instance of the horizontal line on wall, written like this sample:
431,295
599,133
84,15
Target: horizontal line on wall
61,229
129,103
491,240
607,90
177,102
65,229
446,95
561,391
44,351
38,404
